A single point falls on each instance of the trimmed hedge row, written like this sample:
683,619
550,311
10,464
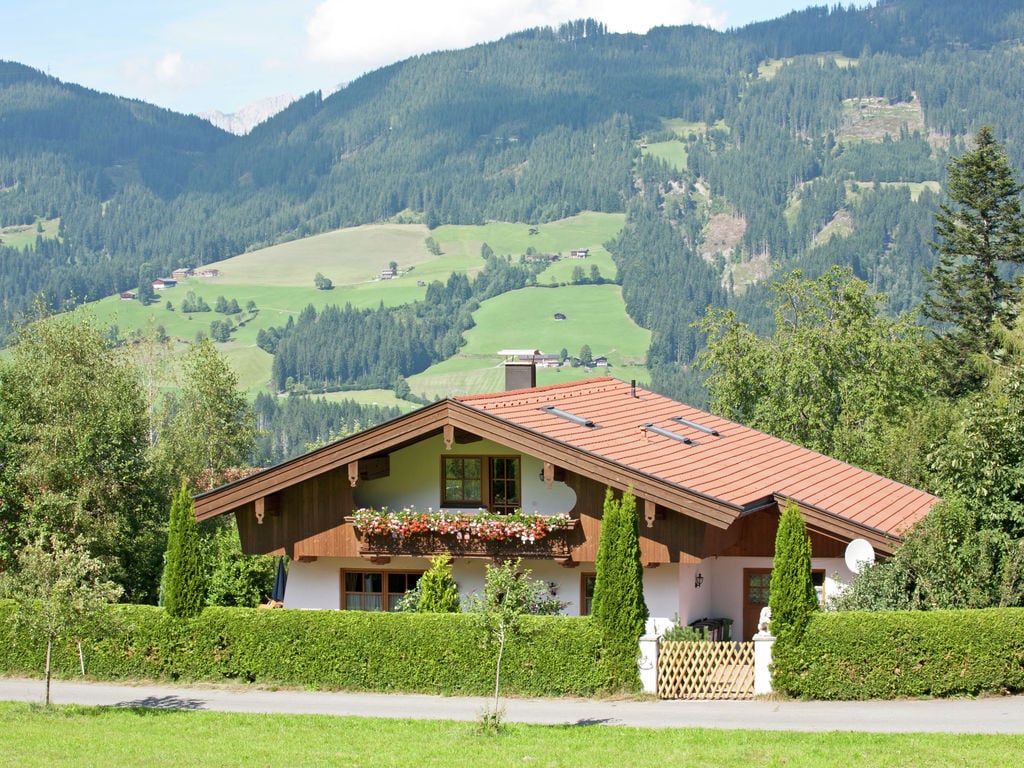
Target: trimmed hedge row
895,654
327,650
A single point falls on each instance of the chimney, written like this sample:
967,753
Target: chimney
520,368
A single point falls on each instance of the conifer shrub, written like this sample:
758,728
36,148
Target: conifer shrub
185,578
618,608
791,592
438,591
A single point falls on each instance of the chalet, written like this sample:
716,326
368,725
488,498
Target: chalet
388,273
181,273
579,253
208,272
163,282
709,493
547,361
600,362
128,296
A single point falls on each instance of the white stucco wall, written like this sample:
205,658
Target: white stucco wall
415,479
668,590
721,595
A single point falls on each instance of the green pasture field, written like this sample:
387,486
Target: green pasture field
123,736
21,235
382,397
524,319
279,279
586,230
916,187
672,152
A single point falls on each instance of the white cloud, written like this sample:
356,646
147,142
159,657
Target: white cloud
360,36
170,68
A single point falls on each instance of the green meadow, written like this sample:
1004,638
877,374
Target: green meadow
279,280
525,319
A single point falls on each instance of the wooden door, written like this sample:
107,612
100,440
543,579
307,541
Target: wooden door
756,589
756,583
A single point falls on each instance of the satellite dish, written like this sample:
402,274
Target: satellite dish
859,553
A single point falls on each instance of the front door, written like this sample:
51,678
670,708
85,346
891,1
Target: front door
756,583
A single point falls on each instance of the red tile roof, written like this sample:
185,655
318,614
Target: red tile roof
741,467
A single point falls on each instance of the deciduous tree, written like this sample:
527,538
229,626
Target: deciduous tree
58,585
837,376
75,443
207,426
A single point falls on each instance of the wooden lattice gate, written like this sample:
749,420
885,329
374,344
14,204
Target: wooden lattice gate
705,670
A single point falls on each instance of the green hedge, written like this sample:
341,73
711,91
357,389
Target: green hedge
895,654
328,650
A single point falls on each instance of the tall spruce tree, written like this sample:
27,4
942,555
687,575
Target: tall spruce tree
185,578
618,607
982,230
791,592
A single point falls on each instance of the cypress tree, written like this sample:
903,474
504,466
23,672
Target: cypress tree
618,607
185,577
791,592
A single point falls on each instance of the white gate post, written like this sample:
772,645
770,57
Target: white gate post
648,663
763,642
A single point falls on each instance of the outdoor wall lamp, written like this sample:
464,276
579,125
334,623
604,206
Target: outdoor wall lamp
698,580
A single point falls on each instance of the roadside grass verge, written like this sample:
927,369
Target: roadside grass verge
111,736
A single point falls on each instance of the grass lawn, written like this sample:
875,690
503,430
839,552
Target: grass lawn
106,736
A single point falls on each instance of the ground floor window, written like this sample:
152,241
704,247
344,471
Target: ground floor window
375,590
587,581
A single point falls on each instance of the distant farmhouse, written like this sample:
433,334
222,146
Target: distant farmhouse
128,296
389,273
579,253
163,282
208,272
181,273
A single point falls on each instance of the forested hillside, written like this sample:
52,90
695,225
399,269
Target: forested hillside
815,139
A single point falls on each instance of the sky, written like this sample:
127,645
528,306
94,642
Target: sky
196,56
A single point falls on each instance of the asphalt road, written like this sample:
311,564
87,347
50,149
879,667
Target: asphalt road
985,715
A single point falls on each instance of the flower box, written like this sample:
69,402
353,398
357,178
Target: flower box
413,532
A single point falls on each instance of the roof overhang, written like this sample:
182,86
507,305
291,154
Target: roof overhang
432,419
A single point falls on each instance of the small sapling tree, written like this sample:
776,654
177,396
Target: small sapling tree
58,586
509,594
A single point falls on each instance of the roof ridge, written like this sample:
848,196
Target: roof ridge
528,391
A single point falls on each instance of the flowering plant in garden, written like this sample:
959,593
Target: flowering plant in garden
465,526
